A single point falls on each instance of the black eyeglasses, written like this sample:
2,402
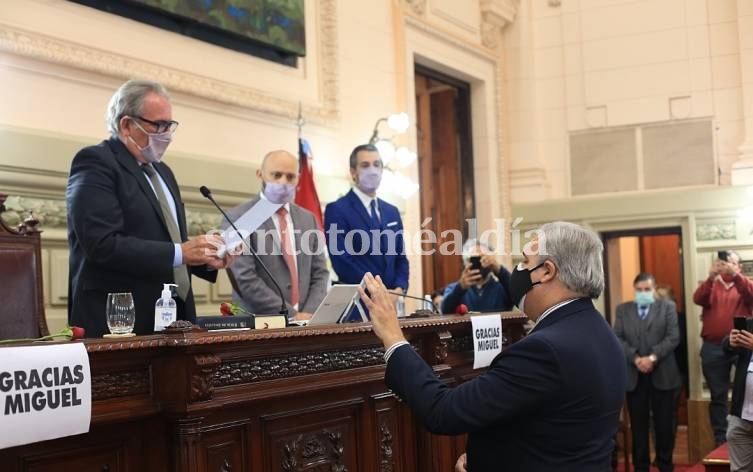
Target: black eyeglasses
161,125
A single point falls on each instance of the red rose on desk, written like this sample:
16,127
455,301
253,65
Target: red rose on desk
462,309
68,333
230,309
226,309
77,332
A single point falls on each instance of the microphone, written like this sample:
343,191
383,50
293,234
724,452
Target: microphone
283,307
421,312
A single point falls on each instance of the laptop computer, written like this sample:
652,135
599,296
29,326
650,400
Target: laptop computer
338,303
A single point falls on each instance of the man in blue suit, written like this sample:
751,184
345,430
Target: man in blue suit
552,400
365,233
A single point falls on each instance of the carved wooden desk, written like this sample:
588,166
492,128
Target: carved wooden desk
296,399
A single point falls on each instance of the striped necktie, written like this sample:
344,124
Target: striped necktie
180,273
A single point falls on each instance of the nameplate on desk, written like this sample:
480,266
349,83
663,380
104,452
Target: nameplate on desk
225,322
45,393
487,339
239,322
269,321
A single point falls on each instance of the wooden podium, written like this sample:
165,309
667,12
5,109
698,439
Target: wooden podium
295,399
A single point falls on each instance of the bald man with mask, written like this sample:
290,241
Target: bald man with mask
289,243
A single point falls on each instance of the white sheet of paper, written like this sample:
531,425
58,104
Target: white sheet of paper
45,393
487,339
247,223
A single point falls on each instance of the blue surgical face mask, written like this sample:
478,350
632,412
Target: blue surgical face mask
279,193
369,179
644,298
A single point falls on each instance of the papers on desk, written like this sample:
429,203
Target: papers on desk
247,224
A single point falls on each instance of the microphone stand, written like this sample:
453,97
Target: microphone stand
283,307
421,312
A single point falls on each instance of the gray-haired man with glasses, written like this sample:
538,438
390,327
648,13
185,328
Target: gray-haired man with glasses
126,222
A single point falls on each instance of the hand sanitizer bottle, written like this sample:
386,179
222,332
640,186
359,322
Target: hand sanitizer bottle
400,306
165,310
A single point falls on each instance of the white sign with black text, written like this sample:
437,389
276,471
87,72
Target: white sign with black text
487,339
45,393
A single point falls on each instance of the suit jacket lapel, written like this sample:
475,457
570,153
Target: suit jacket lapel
126,159
172,185
651,314
358,207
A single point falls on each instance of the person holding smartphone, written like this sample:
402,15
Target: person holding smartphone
740,419
726,293
484,283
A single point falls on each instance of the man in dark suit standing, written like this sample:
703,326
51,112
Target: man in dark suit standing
740,419
367,231
126,221
552,400
647,328
301,270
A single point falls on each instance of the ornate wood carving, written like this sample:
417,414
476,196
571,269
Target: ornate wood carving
120,384
320,451
386,463
460,344
440,348
269,368
202,387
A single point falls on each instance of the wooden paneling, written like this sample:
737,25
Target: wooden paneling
661,255
297,399
445,163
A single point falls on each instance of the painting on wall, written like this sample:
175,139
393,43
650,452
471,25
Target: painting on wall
253,26
278,23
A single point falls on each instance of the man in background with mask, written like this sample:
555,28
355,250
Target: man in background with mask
647,328
368,231
290,244
550,401
126,222
726,293
480,289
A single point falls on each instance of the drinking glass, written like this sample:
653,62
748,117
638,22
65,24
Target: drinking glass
121,314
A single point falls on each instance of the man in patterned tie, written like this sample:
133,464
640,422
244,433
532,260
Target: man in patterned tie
290,243
126,222
648,330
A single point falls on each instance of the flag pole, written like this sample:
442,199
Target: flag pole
300,121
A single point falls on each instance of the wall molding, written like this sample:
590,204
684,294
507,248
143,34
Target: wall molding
49,49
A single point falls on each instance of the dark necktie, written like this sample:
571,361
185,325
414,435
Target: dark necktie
374,215
643,312
180,273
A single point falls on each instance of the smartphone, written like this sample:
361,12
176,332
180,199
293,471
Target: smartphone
475,263
723,255
741,323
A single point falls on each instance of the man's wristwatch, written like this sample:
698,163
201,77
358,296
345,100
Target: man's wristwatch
653,358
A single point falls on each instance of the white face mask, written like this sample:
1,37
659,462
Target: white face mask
158,143
369,179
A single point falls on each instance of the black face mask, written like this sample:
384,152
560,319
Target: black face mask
520,283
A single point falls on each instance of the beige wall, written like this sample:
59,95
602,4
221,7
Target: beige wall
60,62
592,64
